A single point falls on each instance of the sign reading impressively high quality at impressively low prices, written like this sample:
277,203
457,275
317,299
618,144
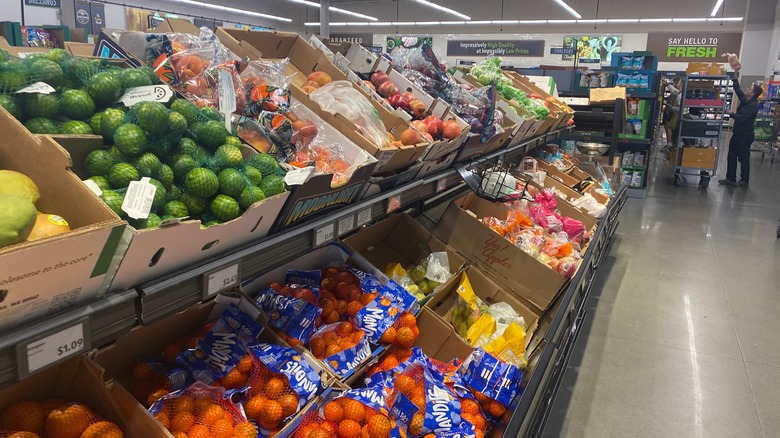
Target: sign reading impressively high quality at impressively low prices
693,46
504,48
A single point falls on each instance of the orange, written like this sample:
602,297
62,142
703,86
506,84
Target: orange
182,422
333,411
332,349
388,336
155,395
223,427
354,294
318,432
199,431
364,432
341,307
330,338
349,429
342,291
366,299
274,388
170,352
469,406
357,336
353,410
245,365
405,337
344,329
419,402
270,415
25,416
379,426
201,404
103,429
211,414
415,427
407,320
289,404
184,403
481,398
163,419
141,371
68,422
180,435
479,434
497,409
23,435
353,307
329,427
244,430
345,276
389,362
418,392
318,347
51,404
254,406
233,379
405,384
403,354
477,420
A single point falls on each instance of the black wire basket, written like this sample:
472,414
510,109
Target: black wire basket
494,179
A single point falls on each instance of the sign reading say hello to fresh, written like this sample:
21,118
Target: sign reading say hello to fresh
693,46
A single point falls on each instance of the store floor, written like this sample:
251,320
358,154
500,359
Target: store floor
681,338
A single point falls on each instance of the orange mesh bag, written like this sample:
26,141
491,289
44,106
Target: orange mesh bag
54,419
356,413
404,331
201,411
343,295
342,346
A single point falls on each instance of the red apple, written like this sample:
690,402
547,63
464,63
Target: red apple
409,96
450,130
417,108
420,125
320,77
379,78
387,89
434,125
428,136
398,101
411,137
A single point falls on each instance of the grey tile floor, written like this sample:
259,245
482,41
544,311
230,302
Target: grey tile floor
682,336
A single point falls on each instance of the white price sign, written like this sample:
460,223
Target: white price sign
346,225
221,279
393,204
36,354
364,217
323,235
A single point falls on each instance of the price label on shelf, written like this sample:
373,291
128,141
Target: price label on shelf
441,185
221,279
393,204
324,234
364,217
40,352
346,225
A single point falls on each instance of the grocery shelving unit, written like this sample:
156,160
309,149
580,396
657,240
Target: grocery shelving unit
704,95
767,124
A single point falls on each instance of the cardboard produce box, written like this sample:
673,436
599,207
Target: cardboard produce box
564,182
438,165
607,95
435,321
152,341
563,113
305,59
699,158
462,229
400,239
45,276
81,380
474,147
155,252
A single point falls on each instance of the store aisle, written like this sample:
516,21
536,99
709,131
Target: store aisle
681,331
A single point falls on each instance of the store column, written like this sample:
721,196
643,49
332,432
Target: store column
774,52
757,41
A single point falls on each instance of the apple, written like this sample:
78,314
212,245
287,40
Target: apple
387,89
411,137
417,108
409,96
369,85
396,144
398,101
450,130
419,125
428,136
379,78
307,89
313,84
320,77
434,125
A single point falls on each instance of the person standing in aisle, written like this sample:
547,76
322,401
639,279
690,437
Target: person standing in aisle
672,110
742,134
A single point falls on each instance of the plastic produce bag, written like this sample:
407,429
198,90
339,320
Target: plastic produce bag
342,346
488,376
342,98
266,86
591,205
422,404
468,307
545,218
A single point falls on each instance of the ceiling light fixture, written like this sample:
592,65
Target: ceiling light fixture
478,22
533,21
503,22
565,5
599,20
443,8
715,9
427,23
623,20
725,19
453,22
655,20
233,10
688,20
561,21
335,9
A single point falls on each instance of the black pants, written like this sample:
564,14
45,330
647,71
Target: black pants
739,150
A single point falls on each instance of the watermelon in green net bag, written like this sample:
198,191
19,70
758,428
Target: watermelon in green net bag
110,120
213,114
153,221
130,139
165,175
152,117
211,134
14,76
134,77
77,104
120,175
75,127
40,125
272,185
101,182
195,205
177,123
224,208
114,201
39,105
175,209
98,162
187,109
11,104
249,196
78,71
232,183
174,193
160,195
201,182
105,88
59,56
182,165
188,146
47,71
265,163
226,156
147,164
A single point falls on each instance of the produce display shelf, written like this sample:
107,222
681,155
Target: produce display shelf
532,409
103,319
644,141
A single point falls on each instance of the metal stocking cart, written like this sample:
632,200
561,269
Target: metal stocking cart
700,128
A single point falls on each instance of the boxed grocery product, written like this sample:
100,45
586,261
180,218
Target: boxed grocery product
564,181
699,158
474,146
461,227
599,95
401,241
41,277
78,380
305,60
177,244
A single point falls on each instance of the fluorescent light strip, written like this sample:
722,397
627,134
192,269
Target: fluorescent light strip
715,9
453,22
688,20
533,21
623,20
427,23
655,20
600,20
561,21
504,21
335,9
233,10
725,19
513,22
443,8
565,5
479,22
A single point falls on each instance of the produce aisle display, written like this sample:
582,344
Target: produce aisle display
244,255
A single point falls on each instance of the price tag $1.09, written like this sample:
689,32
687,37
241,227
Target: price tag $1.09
56,347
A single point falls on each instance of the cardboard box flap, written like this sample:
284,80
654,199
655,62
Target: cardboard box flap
176,25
